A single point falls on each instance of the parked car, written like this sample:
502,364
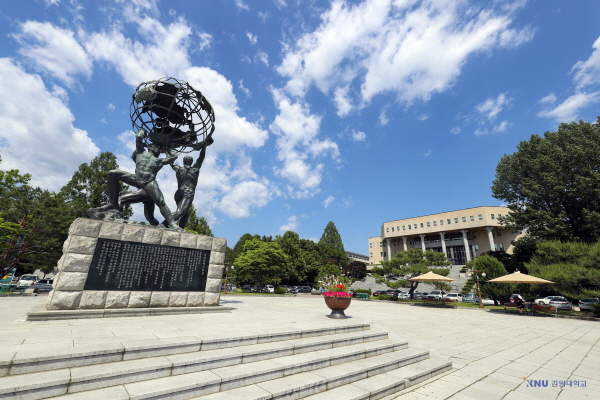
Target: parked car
303,289
546,300
378,292
270,288
393,292
403,295
27,280
452,296
39,287
436,294
588,304
470,298
248,288
561,303
46,281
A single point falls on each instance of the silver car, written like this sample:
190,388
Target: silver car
588,304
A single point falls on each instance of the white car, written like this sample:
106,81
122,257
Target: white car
270,288
27,280
546,300
452,297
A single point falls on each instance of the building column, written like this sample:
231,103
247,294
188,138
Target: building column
389,248
443,243
422,242
490,237
404,239
466,243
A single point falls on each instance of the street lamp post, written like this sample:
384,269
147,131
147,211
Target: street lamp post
479,287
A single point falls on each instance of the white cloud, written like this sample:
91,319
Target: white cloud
244,89
37,129
428,153
383,119
414,49
238,201
347,202
490,108
588,72
359,136
241,5
502,127
423,117
328,201
252,38
263,16
550,99
205,39
291,225
110,107
568,110
456,130
262,57
342,103
298,146
53,50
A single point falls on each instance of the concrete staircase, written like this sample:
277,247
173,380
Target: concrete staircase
350,360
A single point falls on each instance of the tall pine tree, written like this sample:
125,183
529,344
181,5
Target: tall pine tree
331,245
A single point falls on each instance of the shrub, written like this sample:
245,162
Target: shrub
387,297
368,291
596,310
280,290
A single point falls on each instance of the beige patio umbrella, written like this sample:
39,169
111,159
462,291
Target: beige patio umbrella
431,277
518,277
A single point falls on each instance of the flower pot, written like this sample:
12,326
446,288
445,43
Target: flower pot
337,306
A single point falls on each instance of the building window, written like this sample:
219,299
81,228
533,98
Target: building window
480,216
381,254
371,254
421,224
464,219
448,220
472,218
403,227
387,229
392,229
498,233
370,245
409,227
441,222
456,220
492,216
434,223
428,224
385,253
501,245
398,228
415,226
380,244
499,215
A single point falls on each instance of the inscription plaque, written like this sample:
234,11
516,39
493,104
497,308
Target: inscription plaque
133,266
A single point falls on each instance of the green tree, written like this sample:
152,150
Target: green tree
261,262
492,269
290,245
552,184
356,270
573,266
331,245
197,225
238,249
405,265
312,260
87,188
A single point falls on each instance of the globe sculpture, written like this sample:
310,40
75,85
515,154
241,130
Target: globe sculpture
173,113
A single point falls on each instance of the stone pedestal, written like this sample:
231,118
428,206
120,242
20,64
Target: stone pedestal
96,249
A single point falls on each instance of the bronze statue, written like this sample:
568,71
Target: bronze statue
187,180
170,117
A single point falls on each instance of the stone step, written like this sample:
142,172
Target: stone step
324,381
199,383
37,385
29,361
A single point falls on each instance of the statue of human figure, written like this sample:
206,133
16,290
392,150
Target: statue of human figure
147,165
187,180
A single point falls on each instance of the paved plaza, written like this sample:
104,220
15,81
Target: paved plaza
494,355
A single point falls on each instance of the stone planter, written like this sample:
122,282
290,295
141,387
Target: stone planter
337,306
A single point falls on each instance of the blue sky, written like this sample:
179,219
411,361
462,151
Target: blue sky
356,112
